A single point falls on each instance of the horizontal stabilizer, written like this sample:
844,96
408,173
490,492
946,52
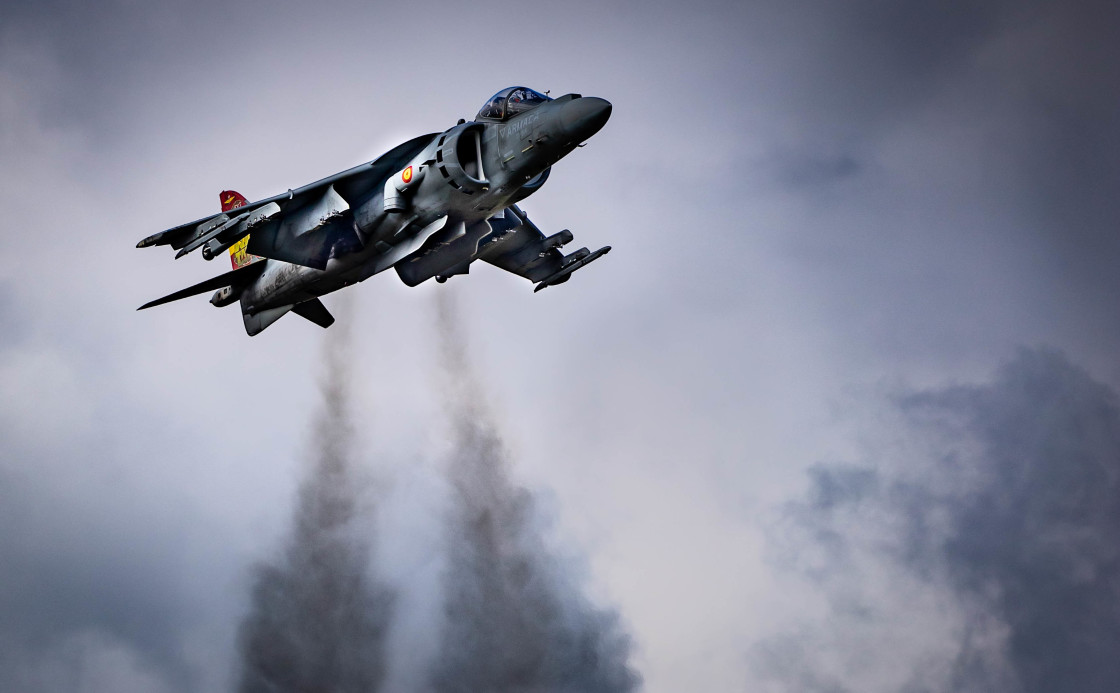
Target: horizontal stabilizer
315,311
237,277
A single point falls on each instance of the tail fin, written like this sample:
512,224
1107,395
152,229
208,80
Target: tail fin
231,199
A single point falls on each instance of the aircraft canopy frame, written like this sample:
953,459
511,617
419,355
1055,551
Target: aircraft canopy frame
510,102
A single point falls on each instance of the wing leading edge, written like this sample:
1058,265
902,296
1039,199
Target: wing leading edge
348,183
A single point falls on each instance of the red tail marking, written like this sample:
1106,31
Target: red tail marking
231,200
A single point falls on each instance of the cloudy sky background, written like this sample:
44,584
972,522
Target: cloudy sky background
838,412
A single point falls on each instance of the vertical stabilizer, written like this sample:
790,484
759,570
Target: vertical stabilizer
231,199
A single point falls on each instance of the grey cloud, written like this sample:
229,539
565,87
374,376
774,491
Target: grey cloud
12,318
838,486
802,196
984,135
800,170
1044,530
1009,501
89,594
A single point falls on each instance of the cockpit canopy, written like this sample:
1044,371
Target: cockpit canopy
510,102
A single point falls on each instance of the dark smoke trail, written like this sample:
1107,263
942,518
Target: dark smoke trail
318,619
515,622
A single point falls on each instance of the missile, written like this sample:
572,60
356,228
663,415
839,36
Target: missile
214,248
242,225
574,257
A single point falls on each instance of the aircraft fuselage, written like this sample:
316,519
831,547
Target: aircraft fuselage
512,154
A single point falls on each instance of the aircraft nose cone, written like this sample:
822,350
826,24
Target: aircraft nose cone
583,117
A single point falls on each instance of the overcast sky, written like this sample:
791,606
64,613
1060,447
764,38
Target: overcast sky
838,413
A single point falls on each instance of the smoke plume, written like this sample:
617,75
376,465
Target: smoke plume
318,619
977,551
514,619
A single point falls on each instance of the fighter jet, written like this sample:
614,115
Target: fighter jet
427,208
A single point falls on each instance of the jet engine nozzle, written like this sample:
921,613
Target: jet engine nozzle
581,118
396,187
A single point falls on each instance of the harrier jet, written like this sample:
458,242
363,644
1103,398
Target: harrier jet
428,208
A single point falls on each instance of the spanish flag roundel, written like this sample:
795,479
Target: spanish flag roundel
406,175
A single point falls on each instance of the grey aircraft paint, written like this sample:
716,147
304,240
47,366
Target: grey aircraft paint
429,208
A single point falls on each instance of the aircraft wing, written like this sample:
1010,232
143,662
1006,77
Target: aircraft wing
518,246
228,227
238,277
